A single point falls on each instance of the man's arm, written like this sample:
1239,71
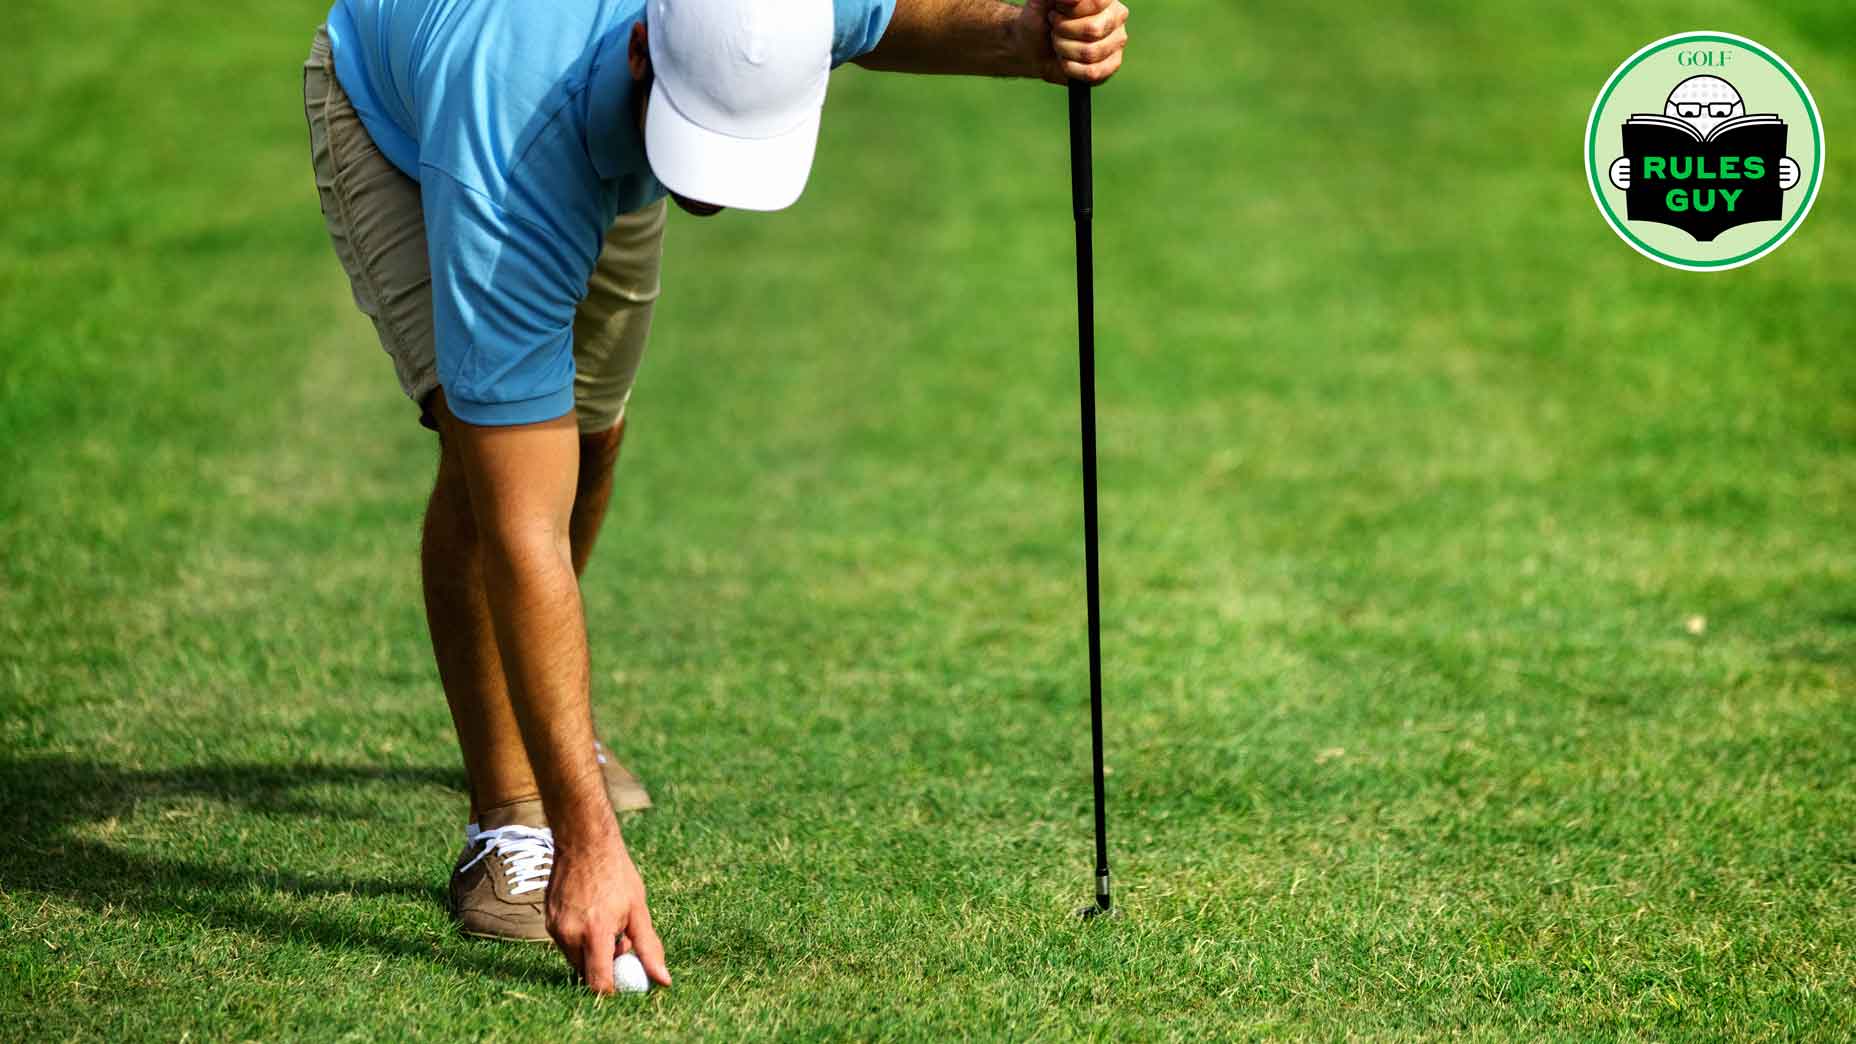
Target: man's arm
1055,40
522,481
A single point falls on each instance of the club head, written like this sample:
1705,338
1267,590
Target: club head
1096,910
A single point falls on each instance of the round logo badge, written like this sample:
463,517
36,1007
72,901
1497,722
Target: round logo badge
1704,151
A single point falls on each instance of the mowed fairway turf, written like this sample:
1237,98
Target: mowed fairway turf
1480,598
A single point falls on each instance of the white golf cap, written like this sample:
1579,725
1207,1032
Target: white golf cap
734,111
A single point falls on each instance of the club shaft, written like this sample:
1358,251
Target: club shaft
1082,190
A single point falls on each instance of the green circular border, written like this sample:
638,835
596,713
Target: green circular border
1817,143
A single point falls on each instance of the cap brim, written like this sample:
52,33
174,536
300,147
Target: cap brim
707,167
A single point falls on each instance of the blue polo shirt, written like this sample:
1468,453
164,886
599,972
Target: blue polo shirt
517,119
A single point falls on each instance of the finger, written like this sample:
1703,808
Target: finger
597,958
1081,8
1091,52
1093,27
569,944
1094,73
646,944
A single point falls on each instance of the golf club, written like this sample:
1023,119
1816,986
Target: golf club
1082,193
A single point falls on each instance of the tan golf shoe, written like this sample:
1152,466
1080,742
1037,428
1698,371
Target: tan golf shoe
626,790
500,884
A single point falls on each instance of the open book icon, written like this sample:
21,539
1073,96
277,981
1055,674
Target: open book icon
1704,184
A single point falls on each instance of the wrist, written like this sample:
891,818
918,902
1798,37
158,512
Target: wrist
592,829
1022,40
579,812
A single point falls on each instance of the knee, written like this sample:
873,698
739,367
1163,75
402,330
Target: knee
599,451
449,510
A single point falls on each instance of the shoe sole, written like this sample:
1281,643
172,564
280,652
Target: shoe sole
502,938
637,801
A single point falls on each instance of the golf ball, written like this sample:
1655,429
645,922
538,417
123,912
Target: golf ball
628,974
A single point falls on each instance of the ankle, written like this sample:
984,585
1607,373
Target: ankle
521,811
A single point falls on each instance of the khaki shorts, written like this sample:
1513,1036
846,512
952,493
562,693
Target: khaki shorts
378,228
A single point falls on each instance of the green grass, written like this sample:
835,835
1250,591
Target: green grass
1413,479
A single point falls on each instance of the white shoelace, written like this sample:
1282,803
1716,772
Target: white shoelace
528,855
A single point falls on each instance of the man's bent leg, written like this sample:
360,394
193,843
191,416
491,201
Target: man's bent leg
599,453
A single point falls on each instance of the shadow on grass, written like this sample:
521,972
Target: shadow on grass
51,803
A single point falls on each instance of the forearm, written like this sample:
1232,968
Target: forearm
956,37
540,626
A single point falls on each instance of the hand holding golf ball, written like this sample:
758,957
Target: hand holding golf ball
597,912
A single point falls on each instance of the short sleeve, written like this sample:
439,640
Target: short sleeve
859,25
504,291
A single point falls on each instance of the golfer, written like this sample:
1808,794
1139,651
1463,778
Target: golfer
494,176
